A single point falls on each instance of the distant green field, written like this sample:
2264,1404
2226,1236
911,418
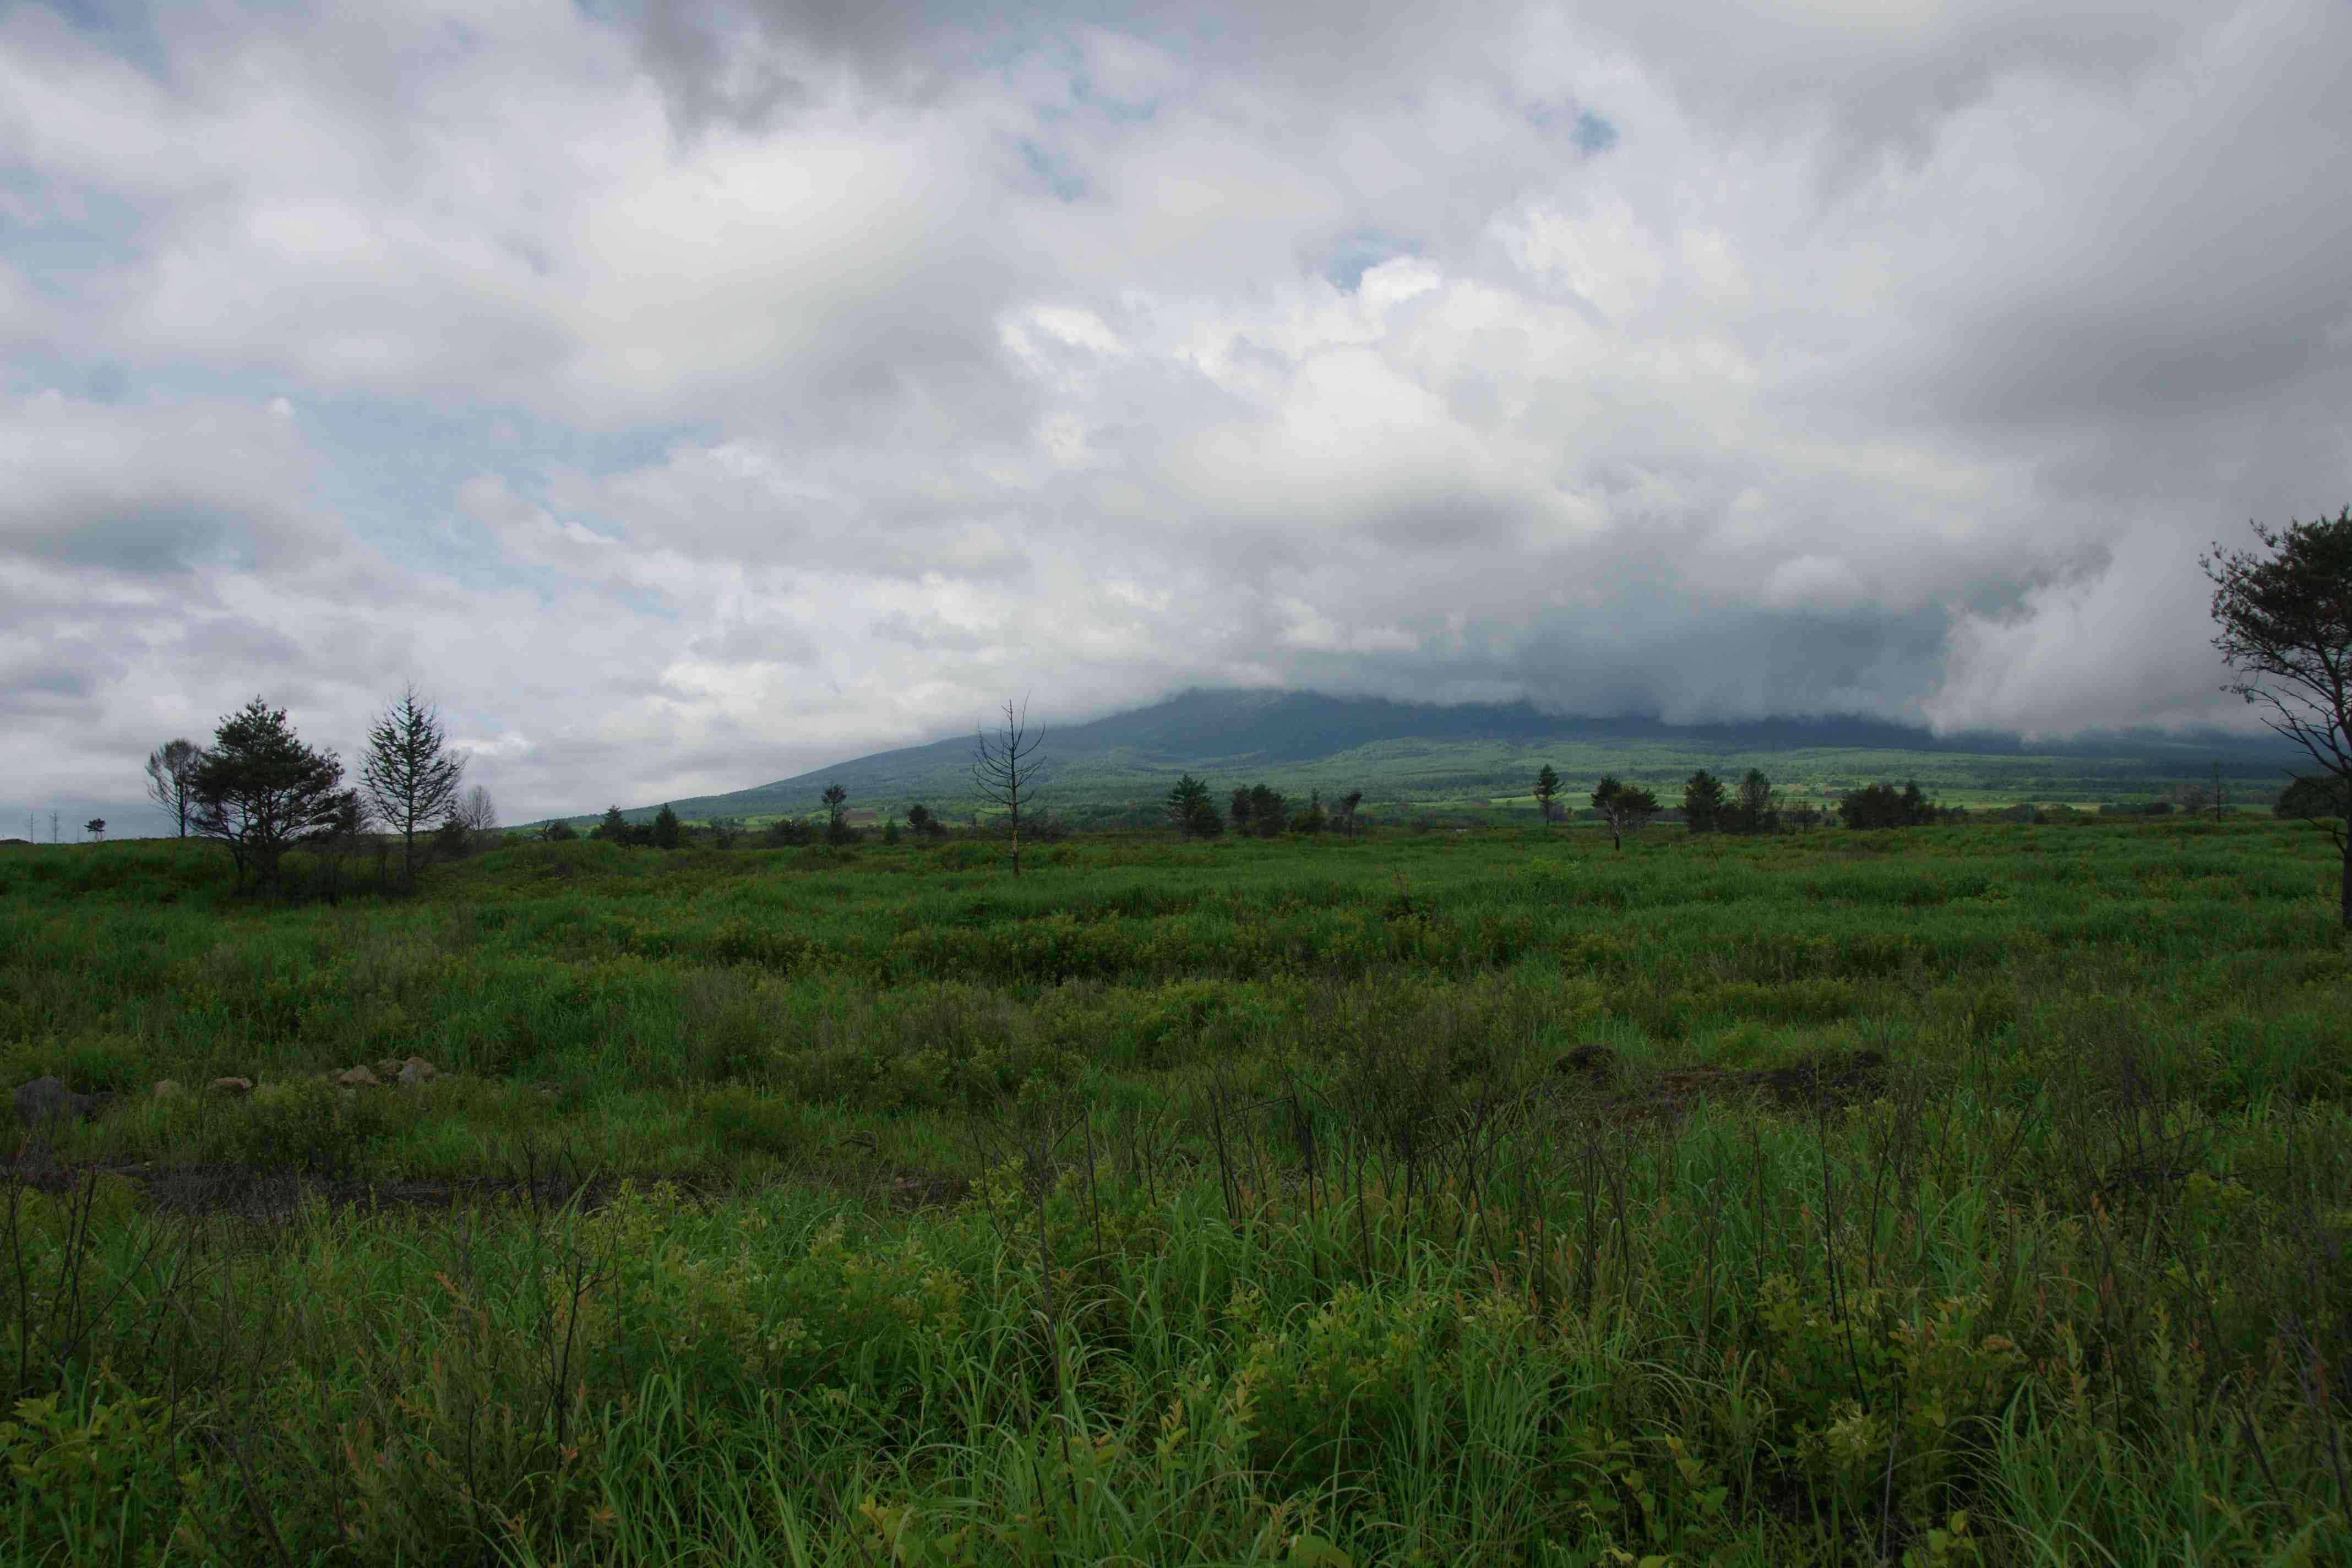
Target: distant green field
1918,1196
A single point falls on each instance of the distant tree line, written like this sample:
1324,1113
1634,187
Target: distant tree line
1258,811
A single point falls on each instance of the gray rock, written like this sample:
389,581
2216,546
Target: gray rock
416,1070
232,1086
46,1102
361,1077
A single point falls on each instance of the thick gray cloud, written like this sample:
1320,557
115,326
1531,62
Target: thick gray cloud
692,395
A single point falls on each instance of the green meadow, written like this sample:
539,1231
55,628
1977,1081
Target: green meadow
1970,1193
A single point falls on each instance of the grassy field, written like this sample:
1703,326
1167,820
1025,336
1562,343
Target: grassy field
1955,1195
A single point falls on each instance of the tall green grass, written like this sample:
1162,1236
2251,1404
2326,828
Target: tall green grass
1284,1239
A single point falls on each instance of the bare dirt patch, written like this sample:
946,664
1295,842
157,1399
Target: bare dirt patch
1822,1081
274,1198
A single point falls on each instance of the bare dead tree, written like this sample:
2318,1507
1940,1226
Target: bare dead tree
479,813
1005,768
170,779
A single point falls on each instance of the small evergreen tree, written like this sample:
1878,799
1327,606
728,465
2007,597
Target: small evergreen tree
667,832
1310,822
409,773
1190,809
1755,809
837,815
612,828
1703,802
1547,792
560,832
1347,805
1269,813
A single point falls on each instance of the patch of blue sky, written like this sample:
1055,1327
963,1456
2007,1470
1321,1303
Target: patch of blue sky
1345,263
1050,171
1591,134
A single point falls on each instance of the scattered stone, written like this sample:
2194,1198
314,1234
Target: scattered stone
166,1088
46,1100
362,1076
232,1086
416,1070
388,1070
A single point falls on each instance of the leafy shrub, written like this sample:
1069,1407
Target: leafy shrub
307,1125
966,856
745,1121
93,1481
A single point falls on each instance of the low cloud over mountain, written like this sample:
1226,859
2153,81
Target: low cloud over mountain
689,395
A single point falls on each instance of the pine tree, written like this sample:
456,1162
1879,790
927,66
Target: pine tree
410,776
1547,792
1191,810
259,789
1703,802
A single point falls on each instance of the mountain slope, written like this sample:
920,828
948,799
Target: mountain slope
1471,755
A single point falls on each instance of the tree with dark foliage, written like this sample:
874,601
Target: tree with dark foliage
1756,810
1703,802
1312,821
342,837
1547,792
1623,807
1269,812
2284,619
1191,810
1884,805
260,789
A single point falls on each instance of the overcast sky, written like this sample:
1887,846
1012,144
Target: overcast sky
687,396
